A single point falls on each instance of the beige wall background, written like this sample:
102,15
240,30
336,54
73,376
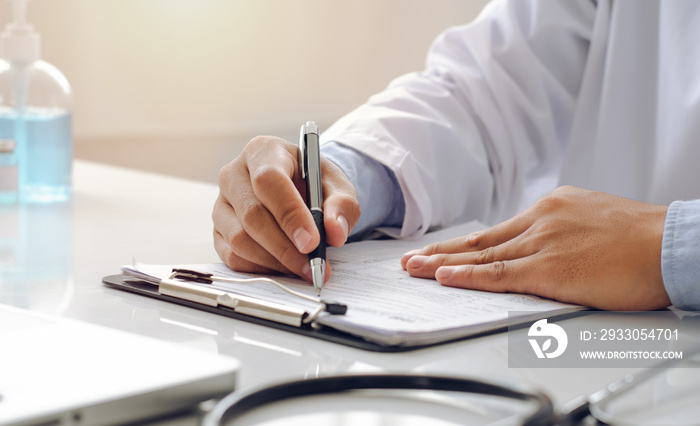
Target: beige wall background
179,86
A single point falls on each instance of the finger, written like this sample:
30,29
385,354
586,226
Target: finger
272,174
407,256
456,245
517,276
341,209
241,264
423,266
254,259
237,249
479,240
264,244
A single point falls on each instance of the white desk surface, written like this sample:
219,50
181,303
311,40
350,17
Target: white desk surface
52,259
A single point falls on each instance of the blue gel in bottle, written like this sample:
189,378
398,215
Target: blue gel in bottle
44,151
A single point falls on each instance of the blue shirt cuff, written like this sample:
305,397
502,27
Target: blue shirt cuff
378,191
680,254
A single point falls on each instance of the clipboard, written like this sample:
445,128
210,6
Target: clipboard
310,329
388,311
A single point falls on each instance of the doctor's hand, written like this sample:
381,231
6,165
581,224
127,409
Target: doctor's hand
573,245
261,221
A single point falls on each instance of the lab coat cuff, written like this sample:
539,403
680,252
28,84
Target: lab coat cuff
680,254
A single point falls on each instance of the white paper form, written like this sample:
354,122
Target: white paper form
385,304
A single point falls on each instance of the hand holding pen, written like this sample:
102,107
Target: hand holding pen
262,224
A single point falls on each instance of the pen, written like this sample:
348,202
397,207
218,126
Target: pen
310,166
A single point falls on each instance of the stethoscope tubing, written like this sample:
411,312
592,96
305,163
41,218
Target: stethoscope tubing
238,403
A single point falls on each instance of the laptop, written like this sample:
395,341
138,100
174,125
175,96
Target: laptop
55,370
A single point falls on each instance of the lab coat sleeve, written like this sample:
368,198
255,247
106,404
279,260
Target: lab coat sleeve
489,112
680,254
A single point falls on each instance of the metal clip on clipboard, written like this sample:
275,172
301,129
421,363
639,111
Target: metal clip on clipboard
186,284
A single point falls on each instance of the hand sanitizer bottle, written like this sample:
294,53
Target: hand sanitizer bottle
35,113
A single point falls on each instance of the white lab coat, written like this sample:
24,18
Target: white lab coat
537,94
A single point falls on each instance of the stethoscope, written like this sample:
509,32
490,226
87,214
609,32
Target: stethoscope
543,413
237,404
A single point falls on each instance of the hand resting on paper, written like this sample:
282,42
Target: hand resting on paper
261,222
573,245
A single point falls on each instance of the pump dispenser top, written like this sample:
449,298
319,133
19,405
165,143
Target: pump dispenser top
19,42
35,113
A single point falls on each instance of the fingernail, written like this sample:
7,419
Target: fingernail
444,272
417,262
343,222
301,238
